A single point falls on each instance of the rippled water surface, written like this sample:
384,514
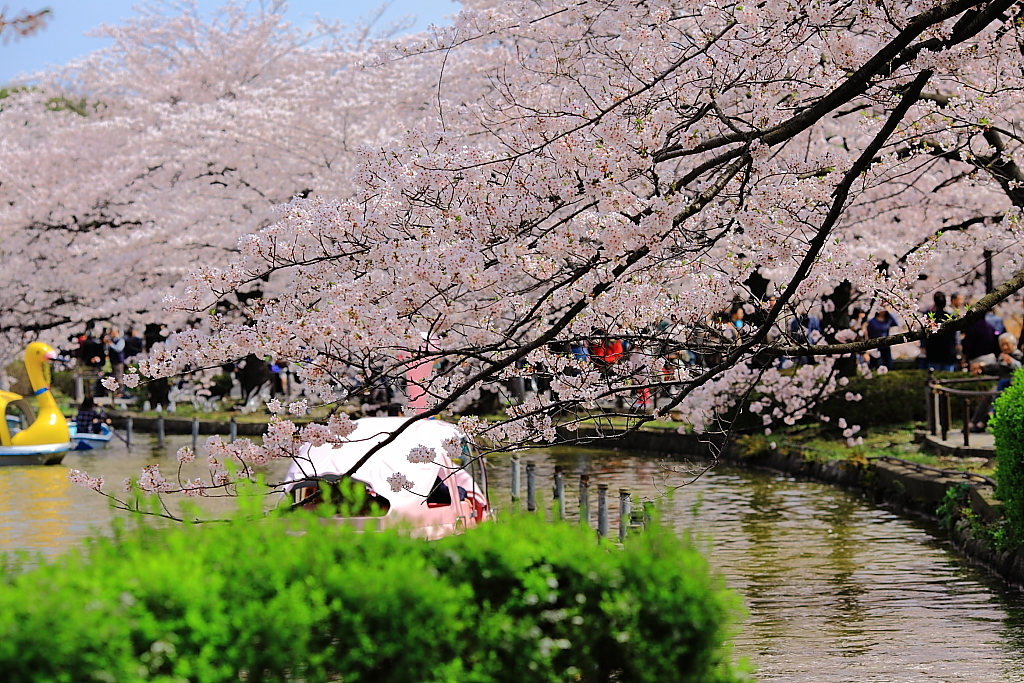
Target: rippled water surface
836,588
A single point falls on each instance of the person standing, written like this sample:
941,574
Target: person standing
114,344
159,389
133,344
940,350
880,326
91,352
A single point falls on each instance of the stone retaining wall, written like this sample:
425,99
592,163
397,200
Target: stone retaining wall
182,425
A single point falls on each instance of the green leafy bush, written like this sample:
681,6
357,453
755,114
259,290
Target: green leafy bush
897,397
300,599
1008,429
893,398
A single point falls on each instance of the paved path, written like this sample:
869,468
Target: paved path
981,445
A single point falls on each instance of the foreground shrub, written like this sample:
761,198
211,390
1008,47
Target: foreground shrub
304,600
1008,429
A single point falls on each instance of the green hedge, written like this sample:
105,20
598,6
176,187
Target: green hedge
1007,426
893,398
897,397
304,600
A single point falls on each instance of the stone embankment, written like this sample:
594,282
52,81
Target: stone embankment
914,488
183,425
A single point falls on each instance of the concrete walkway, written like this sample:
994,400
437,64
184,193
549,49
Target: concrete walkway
982,445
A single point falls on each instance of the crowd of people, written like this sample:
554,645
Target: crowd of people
95,350
99,352
984,348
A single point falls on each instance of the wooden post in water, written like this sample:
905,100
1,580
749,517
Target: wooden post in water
515,479
602,510
128,424
560,492
195,434
160,431
625,513
585,499
531,487
648,509
233,433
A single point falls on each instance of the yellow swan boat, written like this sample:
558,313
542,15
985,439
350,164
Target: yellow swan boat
47,439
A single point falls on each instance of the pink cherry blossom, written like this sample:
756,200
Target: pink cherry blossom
82,479
153,482
421,454
399,482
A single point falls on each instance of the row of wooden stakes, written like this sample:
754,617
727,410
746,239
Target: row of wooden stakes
629,519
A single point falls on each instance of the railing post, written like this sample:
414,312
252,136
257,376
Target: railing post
195,434
160,431
929,395
515,479
602,510
128,424
531,487
560,492
625,513
585,500
945,415
967,421
233,429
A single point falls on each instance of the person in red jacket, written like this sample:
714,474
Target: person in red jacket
606,351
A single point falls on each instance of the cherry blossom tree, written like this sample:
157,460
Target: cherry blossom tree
124,170
602,170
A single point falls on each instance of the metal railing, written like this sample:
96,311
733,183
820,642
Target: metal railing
938,397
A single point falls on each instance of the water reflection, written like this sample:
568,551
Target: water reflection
43,512
36,509
836,589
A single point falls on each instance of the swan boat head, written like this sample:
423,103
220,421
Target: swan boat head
49,427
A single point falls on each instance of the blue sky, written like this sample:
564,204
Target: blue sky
64,37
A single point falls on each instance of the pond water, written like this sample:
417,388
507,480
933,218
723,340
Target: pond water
836,588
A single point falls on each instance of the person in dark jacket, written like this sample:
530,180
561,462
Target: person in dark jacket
133,344
879,326
159,389
980,343
91,351
940,350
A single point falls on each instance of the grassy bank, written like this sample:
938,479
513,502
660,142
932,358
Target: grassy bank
823,443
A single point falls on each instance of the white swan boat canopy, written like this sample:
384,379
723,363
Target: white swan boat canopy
444,495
